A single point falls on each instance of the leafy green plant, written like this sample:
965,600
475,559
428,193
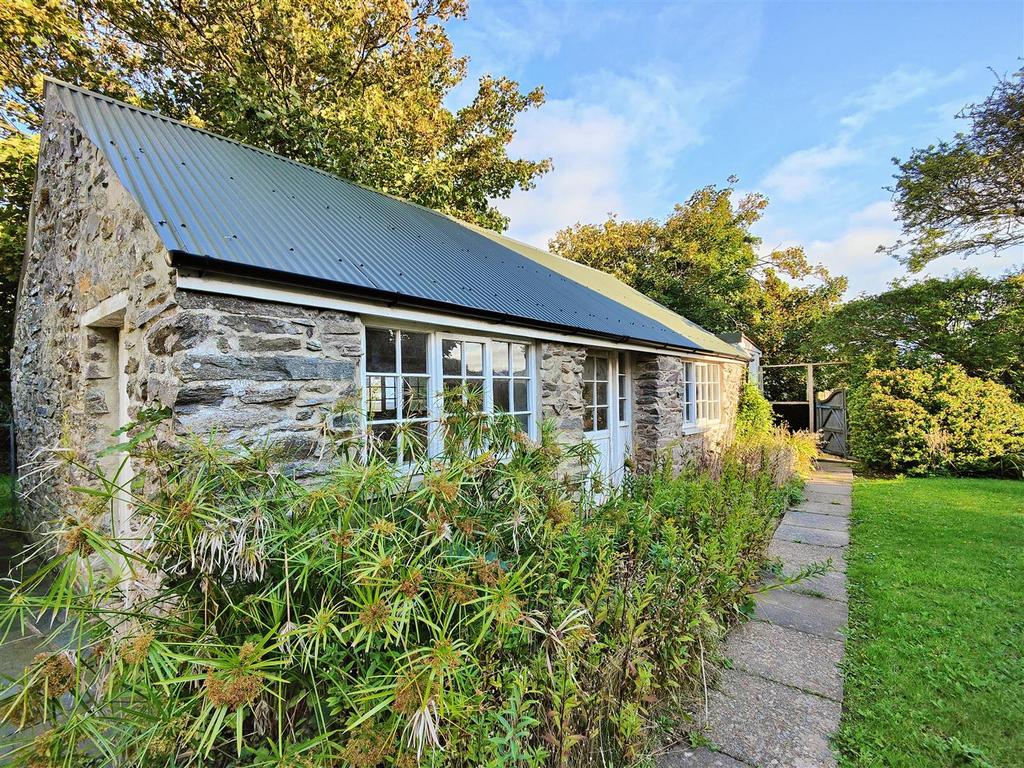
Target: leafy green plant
935,420
754,413
485,610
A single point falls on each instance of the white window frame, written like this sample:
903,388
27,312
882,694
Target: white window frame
436,378
702,394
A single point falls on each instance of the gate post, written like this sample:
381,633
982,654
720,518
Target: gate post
810,397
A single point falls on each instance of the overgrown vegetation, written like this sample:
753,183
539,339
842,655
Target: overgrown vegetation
933,656
936,420
754,413
491,613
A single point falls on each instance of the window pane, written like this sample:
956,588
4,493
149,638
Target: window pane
474,354
383,442
475,395
588,420
380,350
524,421
622,410
414,441
414,352
602,417
520,399
588,393
602,394
382,397
415,404
588,368
499,358
519,359
501,393
451,353
622,363
602,369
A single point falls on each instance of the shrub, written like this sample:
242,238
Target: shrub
754,413
934,420
490,613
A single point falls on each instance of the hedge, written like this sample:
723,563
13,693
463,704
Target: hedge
935,420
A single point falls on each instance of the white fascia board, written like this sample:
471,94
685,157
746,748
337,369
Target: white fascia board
263,291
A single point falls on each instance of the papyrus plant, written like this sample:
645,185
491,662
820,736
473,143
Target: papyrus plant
482,609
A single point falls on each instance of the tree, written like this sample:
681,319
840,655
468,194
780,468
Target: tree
966,196
704,262
968,320
357,89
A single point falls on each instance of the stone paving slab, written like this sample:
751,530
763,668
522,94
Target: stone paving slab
816,520
839,489
802,535
764,723
831,585
814,615
796,556
797,659
699,758
823,508
828,498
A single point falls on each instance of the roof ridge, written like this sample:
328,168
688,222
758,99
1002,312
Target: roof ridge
206,131
221,137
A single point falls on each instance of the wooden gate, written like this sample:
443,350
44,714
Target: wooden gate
830,413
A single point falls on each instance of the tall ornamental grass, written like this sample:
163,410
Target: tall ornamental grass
488,612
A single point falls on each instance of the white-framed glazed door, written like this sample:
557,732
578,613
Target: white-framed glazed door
597,407
622,444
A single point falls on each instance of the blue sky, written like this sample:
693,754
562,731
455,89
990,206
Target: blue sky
805,102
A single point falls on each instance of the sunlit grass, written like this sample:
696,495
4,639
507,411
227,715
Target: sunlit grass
935,658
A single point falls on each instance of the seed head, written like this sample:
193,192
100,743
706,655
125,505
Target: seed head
375,616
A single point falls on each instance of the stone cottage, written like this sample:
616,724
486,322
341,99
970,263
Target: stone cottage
248,293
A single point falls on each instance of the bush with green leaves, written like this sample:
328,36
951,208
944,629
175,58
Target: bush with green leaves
754,413
489,612
935,420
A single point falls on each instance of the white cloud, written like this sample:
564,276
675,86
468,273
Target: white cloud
809,172
613,146
894,90
806,171
588,146
854,251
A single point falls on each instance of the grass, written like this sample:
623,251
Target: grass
935,657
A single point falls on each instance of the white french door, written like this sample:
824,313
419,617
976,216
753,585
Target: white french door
607,410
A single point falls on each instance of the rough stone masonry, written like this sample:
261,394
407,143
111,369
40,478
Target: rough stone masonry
100,312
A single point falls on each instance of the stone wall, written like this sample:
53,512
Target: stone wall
561,393
256,371
91,246
658,428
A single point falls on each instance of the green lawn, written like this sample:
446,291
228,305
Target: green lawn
935,657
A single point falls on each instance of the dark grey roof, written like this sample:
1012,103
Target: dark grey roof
228,207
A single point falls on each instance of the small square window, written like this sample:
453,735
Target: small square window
414,352
380,351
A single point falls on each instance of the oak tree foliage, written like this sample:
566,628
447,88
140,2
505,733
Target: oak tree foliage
355,87
704,262
966,195
968,320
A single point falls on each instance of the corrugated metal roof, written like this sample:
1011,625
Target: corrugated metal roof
222,204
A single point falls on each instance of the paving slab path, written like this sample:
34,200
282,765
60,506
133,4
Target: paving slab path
779,704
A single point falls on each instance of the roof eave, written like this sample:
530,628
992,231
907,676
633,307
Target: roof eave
186,260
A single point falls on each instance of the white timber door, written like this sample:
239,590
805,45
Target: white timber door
597,412
622,443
